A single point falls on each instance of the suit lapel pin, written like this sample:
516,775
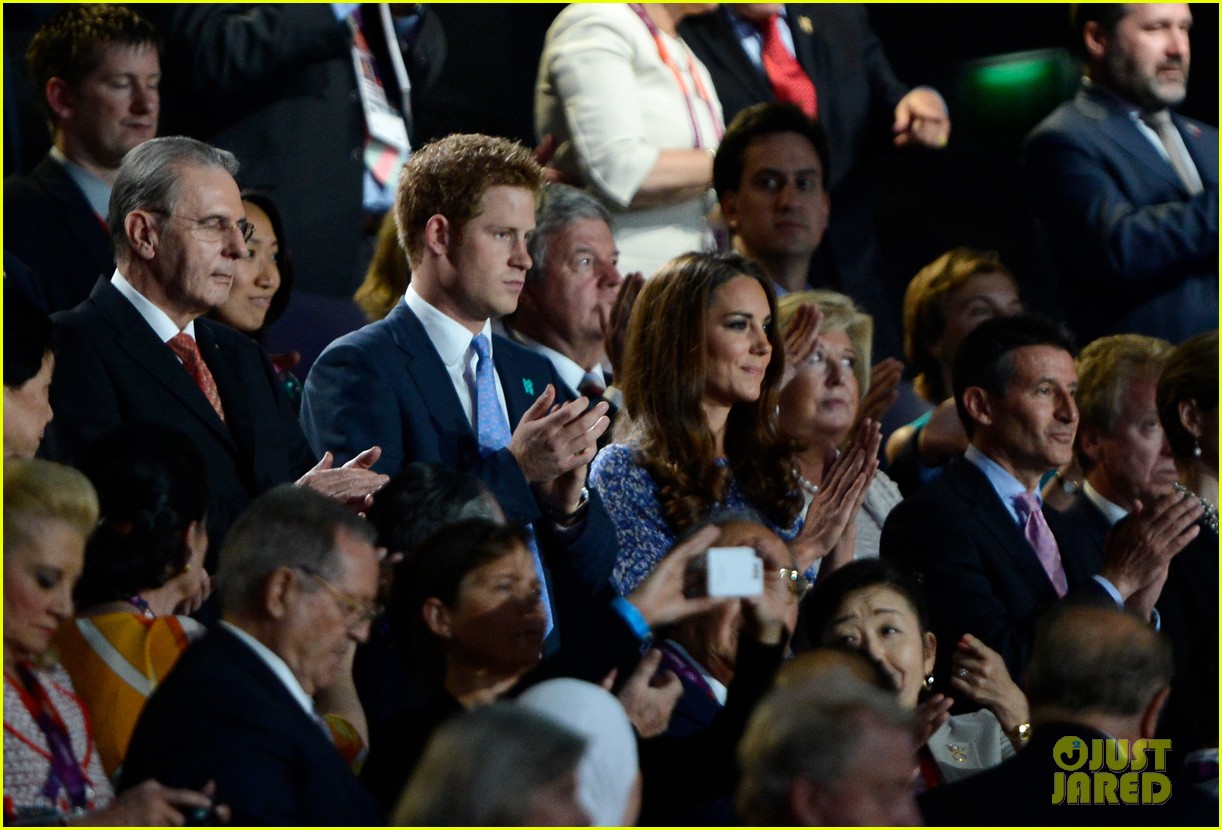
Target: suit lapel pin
528,386
805,25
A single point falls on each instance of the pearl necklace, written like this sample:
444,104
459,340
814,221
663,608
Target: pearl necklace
1210,519
806,484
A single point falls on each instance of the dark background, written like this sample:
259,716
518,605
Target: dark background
968,194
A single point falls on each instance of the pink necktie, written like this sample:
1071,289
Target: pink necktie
1039,535
789,81
184,345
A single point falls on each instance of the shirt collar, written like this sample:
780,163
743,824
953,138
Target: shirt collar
96,191
276,664
1005,485
1110,510
162,325
745,28
1135,112
450,338
569,370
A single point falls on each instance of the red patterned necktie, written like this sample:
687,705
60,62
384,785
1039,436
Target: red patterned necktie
590,387
187,349
789,81
1039,535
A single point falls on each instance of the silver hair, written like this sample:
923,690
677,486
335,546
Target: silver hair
808,731
286,527
148,179
485,767
560,207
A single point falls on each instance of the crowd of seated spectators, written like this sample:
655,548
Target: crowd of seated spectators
543,545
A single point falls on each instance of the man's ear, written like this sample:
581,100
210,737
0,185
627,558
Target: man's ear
276,589
1154,709
1089,440
1095,40
437,233
59,98
729,209
437,618
803,802
978,404
142,232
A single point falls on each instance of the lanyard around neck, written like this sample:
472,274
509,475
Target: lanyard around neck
702,91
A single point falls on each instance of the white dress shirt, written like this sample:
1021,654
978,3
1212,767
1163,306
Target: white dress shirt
452,340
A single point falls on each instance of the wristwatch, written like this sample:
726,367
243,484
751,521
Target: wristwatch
1020,734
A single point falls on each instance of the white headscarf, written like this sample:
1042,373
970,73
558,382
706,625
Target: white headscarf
609,766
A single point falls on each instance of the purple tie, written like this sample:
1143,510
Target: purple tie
1039,535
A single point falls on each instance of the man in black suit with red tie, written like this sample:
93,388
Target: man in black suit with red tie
991,557
138,348
826,59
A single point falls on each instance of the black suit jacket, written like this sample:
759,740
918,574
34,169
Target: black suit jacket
979,573
274,84
1188,607
1132,250
1091,524
111,368
857,93
222,715
385,384
1188,612
1018,792
51,228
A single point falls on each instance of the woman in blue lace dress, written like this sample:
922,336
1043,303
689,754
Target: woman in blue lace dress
702,366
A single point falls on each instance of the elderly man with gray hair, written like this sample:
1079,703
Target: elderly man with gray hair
565,309
840,753
136,347
298,578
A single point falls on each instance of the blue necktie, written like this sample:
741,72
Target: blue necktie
492,433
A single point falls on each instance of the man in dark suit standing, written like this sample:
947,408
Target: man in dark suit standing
136,348
571,285
298,578
1096,675
97,72
991,557
826,59
1125,191
431,382
320,103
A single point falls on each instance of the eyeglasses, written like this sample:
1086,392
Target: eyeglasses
213,228
356,613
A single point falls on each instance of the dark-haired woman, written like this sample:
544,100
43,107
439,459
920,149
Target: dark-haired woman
702,368
872,606
262,284
144,565
476,625
1187,398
